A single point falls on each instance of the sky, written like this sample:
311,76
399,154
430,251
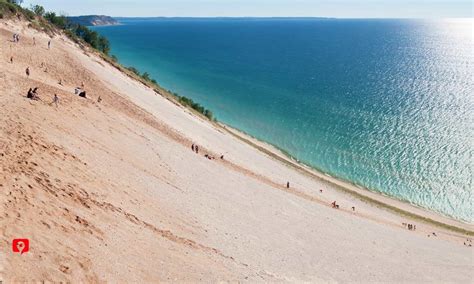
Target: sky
263,8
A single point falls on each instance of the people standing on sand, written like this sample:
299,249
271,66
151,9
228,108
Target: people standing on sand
11,60
17,37
27,71
55,100
353,208
192,147
99,99
197,149
49,44
288,184
14,37
222,157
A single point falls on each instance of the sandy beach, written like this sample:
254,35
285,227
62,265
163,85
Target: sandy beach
111,191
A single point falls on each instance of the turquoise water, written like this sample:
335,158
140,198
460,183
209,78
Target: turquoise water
386,104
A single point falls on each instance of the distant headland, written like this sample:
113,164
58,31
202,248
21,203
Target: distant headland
94,20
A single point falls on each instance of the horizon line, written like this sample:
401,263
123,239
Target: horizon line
276,17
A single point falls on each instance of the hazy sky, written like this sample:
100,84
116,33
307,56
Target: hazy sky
264,8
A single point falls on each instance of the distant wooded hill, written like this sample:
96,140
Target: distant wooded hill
94,20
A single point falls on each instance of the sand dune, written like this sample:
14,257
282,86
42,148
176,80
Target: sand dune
111,192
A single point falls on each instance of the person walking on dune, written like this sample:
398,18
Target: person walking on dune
55,100
49,44
27,71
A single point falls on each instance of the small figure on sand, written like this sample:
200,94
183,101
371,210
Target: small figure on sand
222,157
197,149
34,41
288,184
99,99
49,44
55,100
27,71
335,205
83,94
192,147
11,60
353,208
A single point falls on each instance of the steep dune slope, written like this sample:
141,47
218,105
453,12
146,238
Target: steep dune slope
111,191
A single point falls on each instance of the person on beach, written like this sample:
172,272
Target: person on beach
197,149
11,60
288,184
353,208
17,37
55,100
99,99
222,157
34,41
27,71
14,37
192,147
29,95
49,44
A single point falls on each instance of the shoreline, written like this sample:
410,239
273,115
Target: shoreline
398,206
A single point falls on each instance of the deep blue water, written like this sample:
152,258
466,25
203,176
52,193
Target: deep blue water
386,104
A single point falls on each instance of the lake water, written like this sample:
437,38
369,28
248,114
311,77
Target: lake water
386,104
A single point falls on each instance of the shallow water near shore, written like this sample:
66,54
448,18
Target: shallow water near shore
386,104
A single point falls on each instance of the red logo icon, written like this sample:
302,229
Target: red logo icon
21,245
